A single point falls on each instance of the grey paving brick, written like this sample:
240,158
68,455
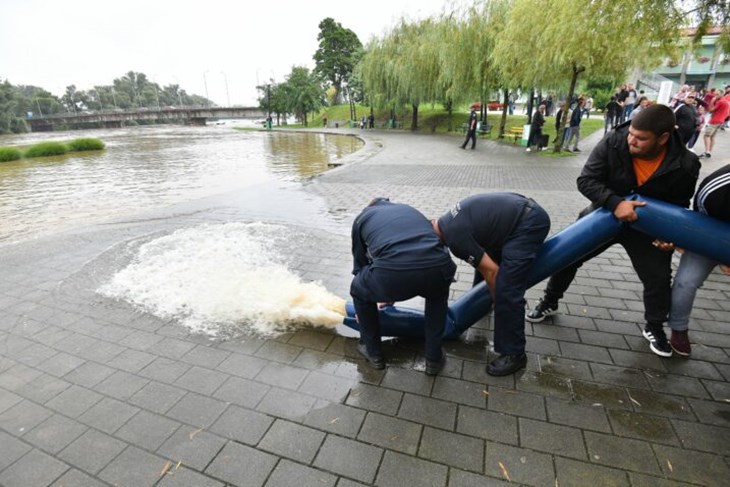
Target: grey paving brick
165,370
242,365
544,384
184,477
203,356
518,465
60,364
326,386
326,363
8,399
147,430
290,474
76,478
292,441
315,340
349,458
131,360
578,415
702,437
88,374
35,469
392,433
281,375
43,388
18,376
335,418
55,433
374,399
242,425
134,467
197,410
571,472
626,454
286,404
11,449
516,402
201,380
424,410
398,470
591,393
718,390
92,451
242,465
243,392
172,348
558,440
589,353
642,426
711,412
620,376
459,478
453,449
157,397
460,391
142,340
408,380
693,368
278,352
488,425
121,385
108,415
22,417
193,447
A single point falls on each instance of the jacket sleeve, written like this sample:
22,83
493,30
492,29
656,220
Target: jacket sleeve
359,249
593,179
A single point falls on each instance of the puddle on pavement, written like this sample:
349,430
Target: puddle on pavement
642,425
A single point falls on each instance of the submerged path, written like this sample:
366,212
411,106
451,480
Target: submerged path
95,392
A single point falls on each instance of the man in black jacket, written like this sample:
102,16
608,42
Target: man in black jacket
397,256
686,116
645,156
471,131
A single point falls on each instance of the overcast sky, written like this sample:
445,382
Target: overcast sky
56,43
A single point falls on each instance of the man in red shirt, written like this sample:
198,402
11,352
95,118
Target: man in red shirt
719,109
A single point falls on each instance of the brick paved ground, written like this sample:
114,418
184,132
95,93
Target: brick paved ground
93,392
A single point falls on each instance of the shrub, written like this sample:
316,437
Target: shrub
78,145
9,154
44,149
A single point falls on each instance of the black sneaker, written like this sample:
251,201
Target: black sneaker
542,310
375,361
658,342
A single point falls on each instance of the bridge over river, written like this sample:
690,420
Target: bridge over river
117,117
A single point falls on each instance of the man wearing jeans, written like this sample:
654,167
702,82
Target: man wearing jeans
645,156
499,234
713,199
397,256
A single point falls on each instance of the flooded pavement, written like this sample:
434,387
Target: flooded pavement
99,391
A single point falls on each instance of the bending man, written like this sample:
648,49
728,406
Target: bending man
499,234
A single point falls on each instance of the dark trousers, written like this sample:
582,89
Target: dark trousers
518,256
373,285
653,266
470,134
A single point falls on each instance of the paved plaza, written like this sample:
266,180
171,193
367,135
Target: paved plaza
94,392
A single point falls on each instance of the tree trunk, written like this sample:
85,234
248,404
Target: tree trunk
566,120
503,120
414,119
529,105
714,65
450,111
685,64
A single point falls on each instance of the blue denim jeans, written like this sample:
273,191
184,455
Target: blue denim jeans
691,274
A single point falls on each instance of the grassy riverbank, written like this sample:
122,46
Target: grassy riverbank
50,148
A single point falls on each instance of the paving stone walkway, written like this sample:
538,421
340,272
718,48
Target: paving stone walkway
94,392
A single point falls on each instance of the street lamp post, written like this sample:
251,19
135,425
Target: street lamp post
228,98
179,96
205,82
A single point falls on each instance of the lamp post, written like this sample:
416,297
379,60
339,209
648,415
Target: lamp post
205,82
179,96
228,98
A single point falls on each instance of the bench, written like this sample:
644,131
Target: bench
485,129
515,132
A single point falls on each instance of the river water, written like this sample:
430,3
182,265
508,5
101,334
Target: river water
220,278
144,168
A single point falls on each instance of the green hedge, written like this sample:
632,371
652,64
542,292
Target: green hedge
78,145
44,149
9,154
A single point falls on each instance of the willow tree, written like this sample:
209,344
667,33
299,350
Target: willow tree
467,38
599,37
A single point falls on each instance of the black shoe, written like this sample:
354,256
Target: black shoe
433,367
575,149
507,364
542,310
377,361
658,342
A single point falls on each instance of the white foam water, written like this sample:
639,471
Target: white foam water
223,278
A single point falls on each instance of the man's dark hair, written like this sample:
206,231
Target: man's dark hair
658,119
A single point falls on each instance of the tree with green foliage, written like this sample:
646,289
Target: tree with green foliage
338,53
302,93
597,37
